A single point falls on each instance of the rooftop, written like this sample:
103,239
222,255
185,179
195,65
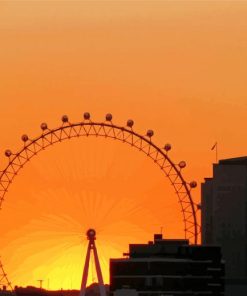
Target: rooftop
234,161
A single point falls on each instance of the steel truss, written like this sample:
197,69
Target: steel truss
4,282
107,129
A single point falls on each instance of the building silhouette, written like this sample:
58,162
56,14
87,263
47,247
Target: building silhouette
224,219
92,290
168,267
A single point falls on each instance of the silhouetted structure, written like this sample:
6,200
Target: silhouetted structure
107,129
168,267
5,285
5,292
91,236
92,290
224,219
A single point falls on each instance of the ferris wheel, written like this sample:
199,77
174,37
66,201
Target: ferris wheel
107,129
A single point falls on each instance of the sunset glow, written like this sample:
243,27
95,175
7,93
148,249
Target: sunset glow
89,184
177,67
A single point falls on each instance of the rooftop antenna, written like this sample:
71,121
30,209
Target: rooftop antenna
40,283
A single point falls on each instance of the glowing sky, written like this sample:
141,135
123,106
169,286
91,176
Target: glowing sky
178,67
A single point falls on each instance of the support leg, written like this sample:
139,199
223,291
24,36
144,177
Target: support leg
85,271
99,273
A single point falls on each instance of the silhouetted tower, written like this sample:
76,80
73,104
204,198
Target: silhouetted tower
91,236
40,283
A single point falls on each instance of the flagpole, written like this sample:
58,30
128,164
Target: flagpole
216,152
215,147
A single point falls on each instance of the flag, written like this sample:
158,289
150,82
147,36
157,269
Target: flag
214,146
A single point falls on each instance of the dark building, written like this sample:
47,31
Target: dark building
4,292
224,219
168,267
92,290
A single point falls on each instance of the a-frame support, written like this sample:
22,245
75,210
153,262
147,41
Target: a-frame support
91,236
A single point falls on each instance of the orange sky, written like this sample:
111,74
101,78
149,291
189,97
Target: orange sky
178,67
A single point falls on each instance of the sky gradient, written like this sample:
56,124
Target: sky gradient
177,67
